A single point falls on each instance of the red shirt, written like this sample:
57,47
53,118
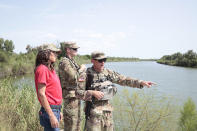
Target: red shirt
53,90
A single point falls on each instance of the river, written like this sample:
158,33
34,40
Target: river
179,82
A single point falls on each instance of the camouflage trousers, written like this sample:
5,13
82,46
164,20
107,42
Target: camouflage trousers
100,118
72,113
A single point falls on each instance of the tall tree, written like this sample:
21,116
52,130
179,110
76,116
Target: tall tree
28,48
1,43
9,46
190,54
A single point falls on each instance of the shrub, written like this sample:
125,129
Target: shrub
140,111
188,119
19,107
3,57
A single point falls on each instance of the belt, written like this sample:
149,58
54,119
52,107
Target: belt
101,102
56,106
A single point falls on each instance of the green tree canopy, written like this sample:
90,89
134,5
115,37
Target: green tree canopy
9,46
1,43
188,59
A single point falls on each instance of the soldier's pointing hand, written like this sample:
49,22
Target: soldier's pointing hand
147,83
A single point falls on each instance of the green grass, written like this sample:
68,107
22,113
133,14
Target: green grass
137,111
19,107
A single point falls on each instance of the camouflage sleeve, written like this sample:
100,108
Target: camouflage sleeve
81,91
67,73
84,95
123,80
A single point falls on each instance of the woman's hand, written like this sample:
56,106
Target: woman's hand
61,116
54,121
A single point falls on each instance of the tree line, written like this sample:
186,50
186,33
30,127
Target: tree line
6,45
23,63
188,59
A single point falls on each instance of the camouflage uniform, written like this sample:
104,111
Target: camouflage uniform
99,114
69,73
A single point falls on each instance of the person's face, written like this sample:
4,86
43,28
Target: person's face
53,56
98,64
72,51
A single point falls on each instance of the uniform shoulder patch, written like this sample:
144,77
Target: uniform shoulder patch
63,62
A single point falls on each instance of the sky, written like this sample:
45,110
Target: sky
120,28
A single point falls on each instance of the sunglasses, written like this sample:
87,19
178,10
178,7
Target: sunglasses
102,60
54,52
75,49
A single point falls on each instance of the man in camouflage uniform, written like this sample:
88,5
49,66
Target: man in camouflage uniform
69,73
98,110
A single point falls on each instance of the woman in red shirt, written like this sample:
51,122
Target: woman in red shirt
48,88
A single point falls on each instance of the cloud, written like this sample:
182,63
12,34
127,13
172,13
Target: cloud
50,36
116,36
96,35
5,6
33,37
53,16
90,40
88,15
91,34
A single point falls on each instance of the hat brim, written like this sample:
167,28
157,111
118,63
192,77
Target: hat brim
100,58
75,47
56,50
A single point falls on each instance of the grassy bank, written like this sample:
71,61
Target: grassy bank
19,107
137,111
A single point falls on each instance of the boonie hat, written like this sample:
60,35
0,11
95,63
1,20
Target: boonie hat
70,45
51,47
98,55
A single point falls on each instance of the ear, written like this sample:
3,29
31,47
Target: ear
92,60
67,50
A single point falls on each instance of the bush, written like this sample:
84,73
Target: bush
3,57
19,107
144,112
188,119
21,69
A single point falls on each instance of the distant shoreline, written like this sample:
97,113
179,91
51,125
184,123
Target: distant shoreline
188,59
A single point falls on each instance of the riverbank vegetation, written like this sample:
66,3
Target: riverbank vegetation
188,119
188,59
139,111
13,64
19,107
132,111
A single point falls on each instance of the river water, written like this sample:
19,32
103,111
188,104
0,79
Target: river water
178,82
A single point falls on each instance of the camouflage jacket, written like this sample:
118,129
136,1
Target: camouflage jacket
112,76
69,73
